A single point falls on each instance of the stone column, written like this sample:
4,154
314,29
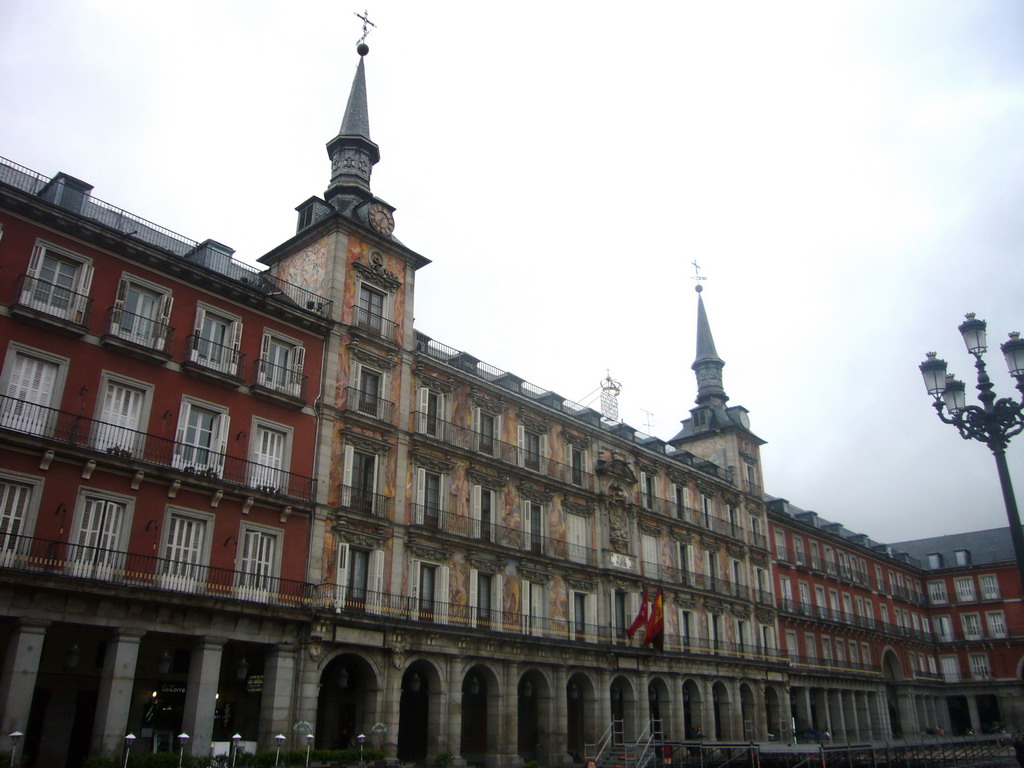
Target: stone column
201,694
18,678
709,710
389,704
908,715
276,701
864,724
115,694
803,707
972,708
508,747
604,702
738,728
554,723
673,724
642,710
452,741
850,715
760,714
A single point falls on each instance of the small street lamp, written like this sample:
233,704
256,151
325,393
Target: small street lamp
15,739
992,423
128,741
280,740
309,746
361,738
182,741
234,748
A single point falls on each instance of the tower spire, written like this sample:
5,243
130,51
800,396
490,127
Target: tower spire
352,153
708,365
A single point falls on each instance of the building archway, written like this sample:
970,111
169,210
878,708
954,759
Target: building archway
659,705
347,701
748,714
534,704
419,711
721,710
773,714
481,708
693,711
624,709
581,706
892,672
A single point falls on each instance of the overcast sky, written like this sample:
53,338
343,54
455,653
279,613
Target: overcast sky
850,177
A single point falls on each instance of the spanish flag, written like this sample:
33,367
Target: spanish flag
641,618
654,635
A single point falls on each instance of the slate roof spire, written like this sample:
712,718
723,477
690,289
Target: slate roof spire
708,365
352,153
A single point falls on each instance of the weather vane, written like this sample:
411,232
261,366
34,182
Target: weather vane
696,271
365,17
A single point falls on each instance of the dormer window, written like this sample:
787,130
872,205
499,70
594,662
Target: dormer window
934,560
963,556
700,418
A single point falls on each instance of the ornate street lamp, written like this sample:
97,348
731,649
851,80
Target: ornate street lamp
280,740
15,738
309,746
361,738
994,422
234,748
182,741
128,741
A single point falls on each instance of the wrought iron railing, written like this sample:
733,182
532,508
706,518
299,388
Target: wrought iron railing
52,299
222,358
140,330
362,500
286,380
114,440
368,404
374,324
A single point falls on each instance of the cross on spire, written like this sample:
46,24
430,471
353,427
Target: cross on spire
365,17
696,271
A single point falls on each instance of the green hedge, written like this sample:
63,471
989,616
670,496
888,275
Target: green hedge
262,759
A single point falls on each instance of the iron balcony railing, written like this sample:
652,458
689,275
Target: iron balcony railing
368,404
140,330
503,536
488,445
362,500
374,324
114,440
797,608
130,225
61,558
758,540
52,299
288,381
834,664
222,358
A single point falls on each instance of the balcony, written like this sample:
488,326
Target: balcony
138,335
111,440
487,445
278,383
51,304
220,363
834,664
362,500
502,536
373,324
368,404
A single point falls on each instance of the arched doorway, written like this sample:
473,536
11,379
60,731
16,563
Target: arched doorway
693,715
533,704
893,674
659,705
417,714
624,710
721,708
581,701
480,711
748,713
348,688
773,715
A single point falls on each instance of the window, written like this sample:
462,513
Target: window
430,495
202,438
98,542
964,589
359,483
649,555
620,600
700,417
853,652
216,341
532,448
826,648
996,624
865,653
686,567
798,551
937,592
979,666
430,591
257,564
142,313
432,416
833,601
972,626
370,314
805,594
269,449
791,645
883,612
681,500
786,588
31,388
369,397
185,551
533,607
780,544
580,611
869,611
989,587
840,651
533,525
280,366
755,532
119,427
15,498
810,645
715,638
483,513
736,572
577,465
360,579
484,599
963,557
58,284
686,626
486,428
950,666
752,485
934,560
578,537
647,490
707,509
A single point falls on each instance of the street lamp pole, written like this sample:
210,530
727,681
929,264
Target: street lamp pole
992,423
128,741
182,741
280,740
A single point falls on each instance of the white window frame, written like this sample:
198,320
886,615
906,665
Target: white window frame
349,493
577,534
479,443
78,303
542,448
176,574
578,628
421,495
363,404
119,438
383,325
100,560
970,623
680,495
252,585
231,348
436,425
979,666
12,412
988,586
949,667
937,592
648,489
218,448
441,597
14,545
965,591
286,379
374,599
996,623
535,607
267,477
151,332
493,621
528,533
478,529
650,554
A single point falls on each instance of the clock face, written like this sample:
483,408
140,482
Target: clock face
381,219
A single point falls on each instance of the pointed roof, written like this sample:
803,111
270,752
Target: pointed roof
705,342
357,115
708,365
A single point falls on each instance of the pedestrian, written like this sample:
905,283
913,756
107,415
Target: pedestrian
591,763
